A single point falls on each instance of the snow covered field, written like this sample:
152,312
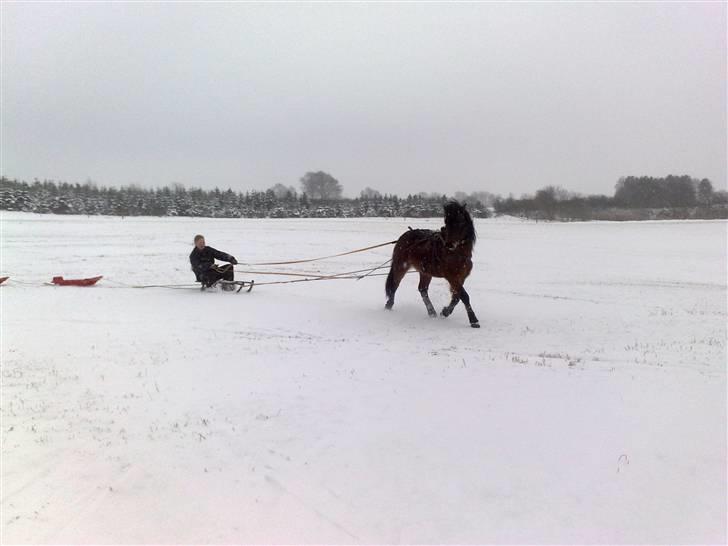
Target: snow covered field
589,408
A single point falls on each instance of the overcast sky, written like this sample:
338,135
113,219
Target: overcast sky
401,97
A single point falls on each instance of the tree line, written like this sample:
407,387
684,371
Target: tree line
635,198
321,198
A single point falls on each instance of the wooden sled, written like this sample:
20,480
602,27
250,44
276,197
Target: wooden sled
229,286
60,281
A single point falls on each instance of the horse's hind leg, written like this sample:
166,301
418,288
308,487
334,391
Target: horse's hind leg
423,286
471,314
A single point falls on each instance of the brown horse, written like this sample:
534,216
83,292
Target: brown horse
445,253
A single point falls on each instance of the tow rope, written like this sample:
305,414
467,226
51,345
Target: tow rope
306,277
320,258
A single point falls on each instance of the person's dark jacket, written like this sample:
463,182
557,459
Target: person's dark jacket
203,260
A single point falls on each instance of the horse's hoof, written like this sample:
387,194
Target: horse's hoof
474,325
445,312
432,314
388,306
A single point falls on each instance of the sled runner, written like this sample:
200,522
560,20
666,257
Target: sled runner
229,286
60,281
3,279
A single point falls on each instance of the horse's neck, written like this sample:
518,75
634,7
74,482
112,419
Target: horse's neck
461,237
465,248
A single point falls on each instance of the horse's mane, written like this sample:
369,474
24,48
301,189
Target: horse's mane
458,220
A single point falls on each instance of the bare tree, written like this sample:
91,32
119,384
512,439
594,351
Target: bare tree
283,192
370,193
705,192
321,185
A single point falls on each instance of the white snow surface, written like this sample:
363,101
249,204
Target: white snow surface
589,408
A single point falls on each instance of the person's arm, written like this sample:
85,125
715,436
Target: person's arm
223,256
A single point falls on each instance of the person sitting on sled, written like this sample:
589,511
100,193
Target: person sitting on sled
203,258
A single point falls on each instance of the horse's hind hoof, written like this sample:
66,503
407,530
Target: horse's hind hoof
445,312
474,325
388,306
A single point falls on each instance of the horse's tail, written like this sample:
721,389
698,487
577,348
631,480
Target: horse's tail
389,287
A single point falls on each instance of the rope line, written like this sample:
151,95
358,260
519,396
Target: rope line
316,275
308,277
320,258
332,278
338,276
370,271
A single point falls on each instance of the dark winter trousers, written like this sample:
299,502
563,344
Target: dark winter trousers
217,272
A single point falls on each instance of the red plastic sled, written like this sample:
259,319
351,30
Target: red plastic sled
3,279
60,281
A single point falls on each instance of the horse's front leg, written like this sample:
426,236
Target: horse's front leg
423,287
455,291
471,314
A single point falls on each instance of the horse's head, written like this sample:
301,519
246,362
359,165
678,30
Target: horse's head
459,226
